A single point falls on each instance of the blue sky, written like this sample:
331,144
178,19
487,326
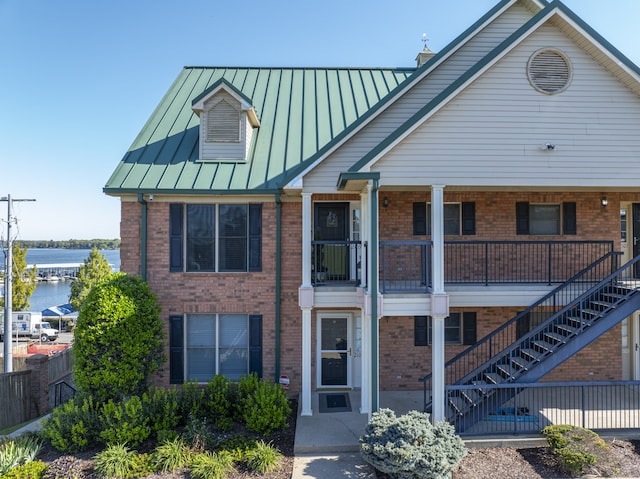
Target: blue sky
78,78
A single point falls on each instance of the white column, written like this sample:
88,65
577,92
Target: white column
365,236
439,303
306,240
306,363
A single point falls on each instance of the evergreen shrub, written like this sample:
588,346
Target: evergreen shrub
124,422
576,447
410,447
264,406
220,397
74,426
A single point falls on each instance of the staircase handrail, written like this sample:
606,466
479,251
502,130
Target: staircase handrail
544,325
556,291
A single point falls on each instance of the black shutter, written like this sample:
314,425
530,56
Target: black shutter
420,218
420,331
468,218
176,350
570,226
469,328
175,237
522,218
255,344
255,237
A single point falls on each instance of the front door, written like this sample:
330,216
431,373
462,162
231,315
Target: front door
334,351
331,231
636,236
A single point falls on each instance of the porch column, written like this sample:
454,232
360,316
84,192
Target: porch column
306,363
306,240
365,385
373,295
439,303
305,301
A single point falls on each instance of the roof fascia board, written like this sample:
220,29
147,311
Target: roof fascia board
401,89
598,40
452,91
172,192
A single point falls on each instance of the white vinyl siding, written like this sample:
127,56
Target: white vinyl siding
493,133
323,178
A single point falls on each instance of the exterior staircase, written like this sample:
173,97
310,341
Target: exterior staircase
540,338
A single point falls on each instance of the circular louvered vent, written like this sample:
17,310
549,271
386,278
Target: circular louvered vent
549,71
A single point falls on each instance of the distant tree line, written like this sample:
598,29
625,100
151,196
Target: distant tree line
101,244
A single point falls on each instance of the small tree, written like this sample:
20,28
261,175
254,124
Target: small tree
23,281
118,340
95,269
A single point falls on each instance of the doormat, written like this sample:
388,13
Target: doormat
334,402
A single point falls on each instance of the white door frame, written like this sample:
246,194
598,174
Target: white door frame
322,315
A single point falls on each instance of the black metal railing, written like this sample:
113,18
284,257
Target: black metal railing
599,406
405,265
62,392
338,262
506,335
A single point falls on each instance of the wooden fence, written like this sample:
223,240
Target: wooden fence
28,394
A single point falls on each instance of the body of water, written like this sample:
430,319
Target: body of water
53,294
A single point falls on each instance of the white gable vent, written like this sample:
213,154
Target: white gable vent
549,71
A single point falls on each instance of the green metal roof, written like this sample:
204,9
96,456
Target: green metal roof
301,111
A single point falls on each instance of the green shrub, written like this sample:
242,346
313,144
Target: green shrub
117,461
263,458
410,447
246,386
30,470
19,451
238,444
220,397
162,408
266,408
118,340
172,455
576,447
73,426
124,422
191,402
212,465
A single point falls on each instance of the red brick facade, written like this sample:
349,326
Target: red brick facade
401,363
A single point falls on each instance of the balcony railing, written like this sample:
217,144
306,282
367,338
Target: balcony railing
406,265
338,263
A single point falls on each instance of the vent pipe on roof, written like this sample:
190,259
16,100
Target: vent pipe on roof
426,54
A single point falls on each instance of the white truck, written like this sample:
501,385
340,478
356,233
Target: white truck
29,325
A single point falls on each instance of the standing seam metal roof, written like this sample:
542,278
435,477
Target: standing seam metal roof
301,110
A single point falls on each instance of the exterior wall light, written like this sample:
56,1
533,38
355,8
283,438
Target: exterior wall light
604,202
385,202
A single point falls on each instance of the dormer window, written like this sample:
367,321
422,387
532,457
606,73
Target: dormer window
223,123
227,121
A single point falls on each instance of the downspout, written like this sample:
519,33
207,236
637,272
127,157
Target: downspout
374,298
143,236
278,281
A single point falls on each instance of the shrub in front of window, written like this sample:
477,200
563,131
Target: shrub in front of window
162,407
410,447
124,422
118,341
264,407
220,397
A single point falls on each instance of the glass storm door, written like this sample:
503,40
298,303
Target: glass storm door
335,350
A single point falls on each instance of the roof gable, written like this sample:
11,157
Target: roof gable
199,104
555,12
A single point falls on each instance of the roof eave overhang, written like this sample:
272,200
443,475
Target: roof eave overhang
355,181
165,191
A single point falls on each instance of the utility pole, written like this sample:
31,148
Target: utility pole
8,293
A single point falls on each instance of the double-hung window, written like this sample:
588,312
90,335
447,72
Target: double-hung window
546,219
459,219
216,237
204,345
217,344
459,328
